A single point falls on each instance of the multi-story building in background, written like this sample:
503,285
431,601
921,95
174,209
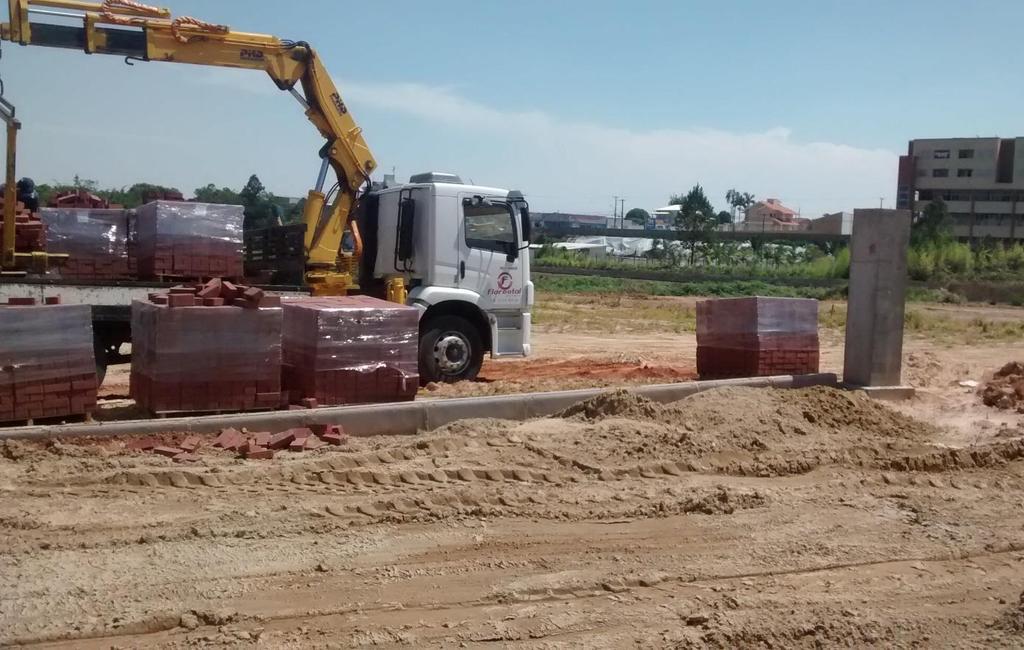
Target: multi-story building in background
980,179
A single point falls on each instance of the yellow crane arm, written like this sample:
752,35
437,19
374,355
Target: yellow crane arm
138,31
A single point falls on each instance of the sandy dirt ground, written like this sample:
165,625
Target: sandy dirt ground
735,518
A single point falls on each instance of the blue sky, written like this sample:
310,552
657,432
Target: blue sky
572,101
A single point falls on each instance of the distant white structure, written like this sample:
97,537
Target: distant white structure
665,218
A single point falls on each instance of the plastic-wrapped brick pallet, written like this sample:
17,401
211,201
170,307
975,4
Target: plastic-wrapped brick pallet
757,337
188,240
350,350
205,358
95,239
47,367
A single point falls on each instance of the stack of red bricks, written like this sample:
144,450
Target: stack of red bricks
47,366
349,350
96,240
757,337
189,240
29,230
207,347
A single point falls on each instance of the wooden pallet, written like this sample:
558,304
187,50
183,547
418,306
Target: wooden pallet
160,415
74,418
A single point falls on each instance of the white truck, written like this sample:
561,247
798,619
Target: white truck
463,252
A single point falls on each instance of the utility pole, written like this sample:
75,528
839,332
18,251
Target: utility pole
615,209
881,202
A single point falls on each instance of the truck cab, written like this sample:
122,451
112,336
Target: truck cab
462,252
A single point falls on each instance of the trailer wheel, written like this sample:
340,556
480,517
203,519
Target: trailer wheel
450,350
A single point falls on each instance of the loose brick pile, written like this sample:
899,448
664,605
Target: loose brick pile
47,366
188,240
207,347
29,230
215,293
349,350
254,445
96,240
757,337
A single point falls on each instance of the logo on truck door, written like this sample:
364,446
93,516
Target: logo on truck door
504,292
504,281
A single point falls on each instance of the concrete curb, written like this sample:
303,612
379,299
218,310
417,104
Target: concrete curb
403,417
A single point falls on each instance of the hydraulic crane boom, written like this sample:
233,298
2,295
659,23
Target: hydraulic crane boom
137,31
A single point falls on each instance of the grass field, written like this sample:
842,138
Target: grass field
618,312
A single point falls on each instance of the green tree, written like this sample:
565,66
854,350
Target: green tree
696,221
261,211
210,193
253,193
934,227
638,216
724,217
137,194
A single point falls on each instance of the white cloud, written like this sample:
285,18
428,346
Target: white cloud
577,165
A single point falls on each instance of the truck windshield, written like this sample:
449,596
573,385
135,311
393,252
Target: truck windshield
489,227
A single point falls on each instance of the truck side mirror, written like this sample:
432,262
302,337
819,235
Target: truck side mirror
526,225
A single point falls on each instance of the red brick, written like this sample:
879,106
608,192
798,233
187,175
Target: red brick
51,300
253,293
170,452
270,301
211,289
332,428
142,444
226,437
181,300
190,443
21,302
309,402
213,302
335,438
298,444
159,300
281,440
260,453
262,438
228,291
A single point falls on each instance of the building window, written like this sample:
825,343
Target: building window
964,173
966,153
940,173
941,154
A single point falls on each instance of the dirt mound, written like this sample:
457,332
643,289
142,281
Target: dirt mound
1006,388
615,404
622,427
756,418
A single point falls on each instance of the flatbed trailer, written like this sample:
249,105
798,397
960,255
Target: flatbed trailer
111,304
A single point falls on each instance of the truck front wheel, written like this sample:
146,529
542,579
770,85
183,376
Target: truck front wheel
450,350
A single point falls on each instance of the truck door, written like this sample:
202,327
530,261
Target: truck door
489,237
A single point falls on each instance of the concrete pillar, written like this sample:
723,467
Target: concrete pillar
878,285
